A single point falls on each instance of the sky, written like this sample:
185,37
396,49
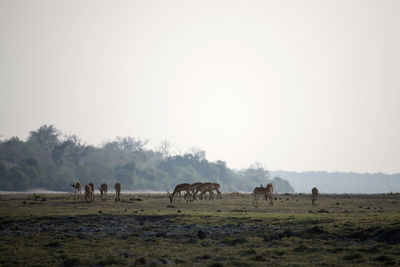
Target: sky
293,85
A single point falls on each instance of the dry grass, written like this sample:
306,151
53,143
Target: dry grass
148,230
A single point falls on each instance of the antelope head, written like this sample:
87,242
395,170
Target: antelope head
169,195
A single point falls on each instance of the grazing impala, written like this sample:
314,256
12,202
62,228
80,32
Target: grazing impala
194,189
78,189
178,189
103,191
88,193
216,188
92,186
204,188
210,187
118,188
314,197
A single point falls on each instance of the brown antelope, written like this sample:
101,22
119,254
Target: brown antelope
210,187
270,191
194,189
118,188
92,186
314,197
266,192
78,189
88,193
216,188
103,191
178,189
258,191
204,188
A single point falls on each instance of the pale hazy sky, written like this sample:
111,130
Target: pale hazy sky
295,85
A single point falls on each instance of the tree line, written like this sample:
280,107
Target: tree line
51,160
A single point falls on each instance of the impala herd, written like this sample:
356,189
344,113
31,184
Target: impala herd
191,192
89,191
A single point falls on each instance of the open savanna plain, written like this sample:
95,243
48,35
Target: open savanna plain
56,230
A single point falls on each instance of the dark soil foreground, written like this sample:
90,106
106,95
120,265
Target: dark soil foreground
149,231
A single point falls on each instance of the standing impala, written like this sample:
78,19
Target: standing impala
78,189
270,191
314,197
266,192
103,191
118,188
258,191
88,193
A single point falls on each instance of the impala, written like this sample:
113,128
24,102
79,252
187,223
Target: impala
118,188
210,187
258,191
216,188
178,189
103,191
78,189
194,189
266,192
314,197
88,193
270,191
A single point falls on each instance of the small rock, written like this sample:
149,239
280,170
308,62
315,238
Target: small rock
323,211
165,261
239,240
201,234
258,258
315,230
155,262
203,257
141,261
54,244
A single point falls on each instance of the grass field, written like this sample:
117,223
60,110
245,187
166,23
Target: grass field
54,230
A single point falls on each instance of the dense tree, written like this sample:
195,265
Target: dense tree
51,160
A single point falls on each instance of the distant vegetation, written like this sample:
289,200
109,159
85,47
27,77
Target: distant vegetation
342,182
51,160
